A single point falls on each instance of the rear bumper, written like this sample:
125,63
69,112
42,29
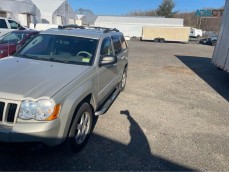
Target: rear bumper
43,132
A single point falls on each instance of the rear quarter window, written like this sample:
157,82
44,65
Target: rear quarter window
123,42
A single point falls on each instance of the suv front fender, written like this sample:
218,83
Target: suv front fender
70,102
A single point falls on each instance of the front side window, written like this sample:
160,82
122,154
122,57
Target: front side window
13,24
62,49
3,24
106,48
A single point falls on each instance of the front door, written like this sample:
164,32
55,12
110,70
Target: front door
106,74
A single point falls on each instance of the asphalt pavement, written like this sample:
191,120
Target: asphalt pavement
172,116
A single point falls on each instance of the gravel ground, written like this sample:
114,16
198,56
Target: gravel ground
173,115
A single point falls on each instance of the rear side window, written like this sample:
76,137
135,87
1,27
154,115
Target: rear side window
106,48
117,44
123,42
3,24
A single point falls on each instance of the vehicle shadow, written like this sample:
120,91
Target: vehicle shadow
100,154
202,66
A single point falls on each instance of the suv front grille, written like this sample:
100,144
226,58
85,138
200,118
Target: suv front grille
11,112
8,111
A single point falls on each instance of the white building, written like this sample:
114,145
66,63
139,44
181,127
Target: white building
23,11
132,26
57,12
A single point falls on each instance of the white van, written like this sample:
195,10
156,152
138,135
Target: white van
196,33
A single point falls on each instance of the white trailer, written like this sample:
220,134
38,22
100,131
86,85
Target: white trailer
221,53
162,34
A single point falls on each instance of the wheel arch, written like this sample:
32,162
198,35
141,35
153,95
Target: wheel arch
69,118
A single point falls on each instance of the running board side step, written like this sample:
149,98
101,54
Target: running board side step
108,103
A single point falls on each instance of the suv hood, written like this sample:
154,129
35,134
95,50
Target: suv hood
26,78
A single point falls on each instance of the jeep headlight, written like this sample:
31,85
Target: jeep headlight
41,110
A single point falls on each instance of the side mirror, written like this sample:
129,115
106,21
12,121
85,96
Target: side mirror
18,47
108,60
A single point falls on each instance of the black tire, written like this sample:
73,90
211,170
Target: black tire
162,40
75,142
156,40
213,43
123,81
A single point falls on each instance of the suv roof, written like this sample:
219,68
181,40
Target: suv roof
87,32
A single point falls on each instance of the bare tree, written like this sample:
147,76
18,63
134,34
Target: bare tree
204,23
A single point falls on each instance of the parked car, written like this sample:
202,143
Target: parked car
58,82
8,25
209,41
10,41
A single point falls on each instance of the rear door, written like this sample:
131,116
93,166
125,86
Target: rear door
123,55
120,47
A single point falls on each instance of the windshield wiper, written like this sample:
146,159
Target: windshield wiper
26,56
58,60
32,57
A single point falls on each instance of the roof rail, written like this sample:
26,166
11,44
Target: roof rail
104,29
110,30
72,26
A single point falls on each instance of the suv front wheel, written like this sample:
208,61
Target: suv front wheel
81,128
123,81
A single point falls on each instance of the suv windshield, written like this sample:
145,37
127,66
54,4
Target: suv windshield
62,49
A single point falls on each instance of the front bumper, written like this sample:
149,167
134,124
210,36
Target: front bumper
32,131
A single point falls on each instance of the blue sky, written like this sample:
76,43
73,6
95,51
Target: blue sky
121,7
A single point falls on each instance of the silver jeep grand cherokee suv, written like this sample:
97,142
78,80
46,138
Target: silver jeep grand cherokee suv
54,86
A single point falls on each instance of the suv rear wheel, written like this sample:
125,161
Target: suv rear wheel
81,128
